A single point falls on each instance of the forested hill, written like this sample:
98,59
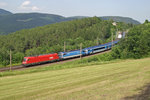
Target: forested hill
120,19
13,22
50,38
4,12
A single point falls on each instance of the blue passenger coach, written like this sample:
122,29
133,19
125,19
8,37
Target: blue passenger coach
86,51
70,54
109,45
99,48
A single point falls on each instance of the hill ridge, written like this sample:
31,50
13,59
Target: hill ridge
4,12
13,22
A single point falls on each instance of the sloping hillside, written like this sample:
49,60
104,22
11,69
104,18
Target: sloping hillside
13,22
4,12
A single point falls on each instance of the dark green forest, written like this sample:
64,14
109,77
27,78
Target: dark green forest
136,44
51,38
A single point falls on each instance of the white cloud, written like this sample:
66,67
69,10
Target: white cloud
2,4
34,8
26,5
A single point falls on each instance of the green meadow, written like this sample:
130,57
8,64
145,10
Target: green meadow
110,81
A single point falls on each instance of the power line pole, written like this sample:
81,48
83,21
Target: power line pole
112,39
97,41
81,51
10,59
114,24
64,46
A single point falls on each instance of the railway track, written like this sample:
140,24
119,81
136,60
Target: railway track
20,67
12,68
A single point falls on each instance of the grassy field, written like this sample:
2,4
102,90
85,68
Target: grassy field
112,81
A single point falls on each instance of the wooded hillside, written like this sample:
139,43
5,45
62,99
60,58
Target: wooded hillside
50,38
136,44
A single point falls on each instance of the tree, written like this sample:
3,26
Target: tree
146,21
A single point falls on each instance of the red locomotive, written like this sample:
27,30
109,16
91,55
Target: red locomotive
40,59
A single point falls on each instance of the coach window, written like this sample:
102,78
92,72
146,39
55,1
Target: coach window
28,59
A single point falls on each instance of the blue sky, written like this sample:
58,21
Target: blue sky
136,9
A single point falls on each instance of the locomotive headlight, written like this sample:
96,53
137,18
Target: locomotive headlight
50,57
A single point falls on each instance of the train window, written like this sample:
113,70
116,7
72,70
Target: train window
64,53
28,59
85,50
60,54
99,48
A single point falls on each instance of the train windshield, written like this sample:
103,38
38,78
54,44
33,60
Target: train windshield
60,54
25,59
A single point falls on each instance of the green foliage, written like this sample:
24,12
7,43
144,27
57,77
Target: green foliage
136,44
146,21
17,57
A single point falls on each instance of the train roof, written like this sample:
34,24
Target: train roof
70,51
41,55
101,45
97,46
92,47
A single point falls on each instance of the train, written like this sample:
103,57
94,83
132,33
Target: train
39,59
